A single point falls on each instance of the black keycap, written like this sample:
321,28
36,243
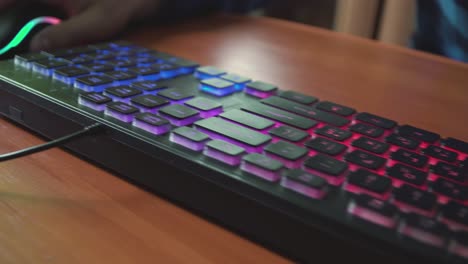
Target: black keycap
456,144
247,119
50,64
120,75
376,120
122,91
408,174
417,133
450,189
461,237
178,111
280,115
227,129
68,52
333,133
234,78
426,224
404,142
149,101
335,108
365,159
148,86
262,86
79,59
122,108
306,179
203,104
71,71
104,56
210,70
450,171
94,80
298,97
464,164
190,133
183,63
286,150
410,158
306,111
367,130
415,197
30,57
370,181
378,206
146,60
151,119
440,153
177,94
326,164
122,63
143,71
162,67
455,212
97,67
289,133
96,98
371,145
263,162
326,146
225,147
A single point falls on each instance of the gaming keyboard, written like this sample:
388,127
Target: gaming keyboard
301,176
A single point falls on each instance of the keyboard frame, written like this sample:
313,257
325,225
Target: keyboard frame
299,228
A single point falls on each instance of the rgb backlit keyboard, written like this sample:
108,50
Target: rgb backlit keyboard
399,183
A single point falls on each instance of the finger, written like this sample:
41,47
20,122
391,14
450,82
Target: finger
100,21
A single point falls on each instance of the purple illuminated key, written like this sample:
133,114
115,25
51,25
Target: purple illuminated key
424,229
121,111
239,81
94,101
122,93
189,138
149,102
148,86
179,115
224,151
289,154
304,183
206,107
46,67
217,87
68,74
260,89
93,83
262,166
247,119
374,210
152,123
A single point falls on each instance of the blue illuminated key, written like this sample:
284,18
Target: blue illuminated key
239,81
260,89
93,83
94,101
26,60
208,72
152,123
46,67
148,87
146,73
97,67
121,111
166,70
122,63
79,59
123,77
206,107
218,87
68,74
122,93
185,66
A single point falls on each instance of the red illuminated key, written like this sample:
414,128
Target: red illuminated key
424,229
440,153
403,141
373,210
376,120
450,189
371,145
365,159
326,165
334,133
370,181
417,133
367,130
450,171
410,158
455,212
415,197
335,108
325,146
408,174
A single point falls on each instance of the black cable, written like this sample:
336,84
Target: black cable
54,143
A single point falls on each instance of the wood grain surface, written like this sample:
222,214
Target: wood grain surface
56,208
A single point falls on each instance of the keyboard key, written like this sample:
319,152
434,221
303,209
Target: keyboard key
260,89
333,133
376,120
456,144
149,102
152,123
371,145
450,171
146,73
298,97
121,93
289,154
440,153
208,72
418,134
335,108
450,189
93,83
370,182
25,60
304,183
459,246
455,212
326,164
246,119
326,146
179,115
122,63
262,166
206,107
68,75
78,59
280,116
94,101
407,174
289,134
374,210
148,86
185,66
224,151
306,111
189,138
239,81
177,94
403,142
424,229
410,158
415,197
365,159
46,67
367,130
248,139
167,70
68,52
121,111
217,87
121,76
97,67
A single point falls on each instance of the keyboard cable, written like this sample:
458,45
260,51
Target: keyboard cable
88,130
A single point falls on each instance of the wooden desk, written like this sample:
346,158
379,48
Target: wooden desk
55,208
